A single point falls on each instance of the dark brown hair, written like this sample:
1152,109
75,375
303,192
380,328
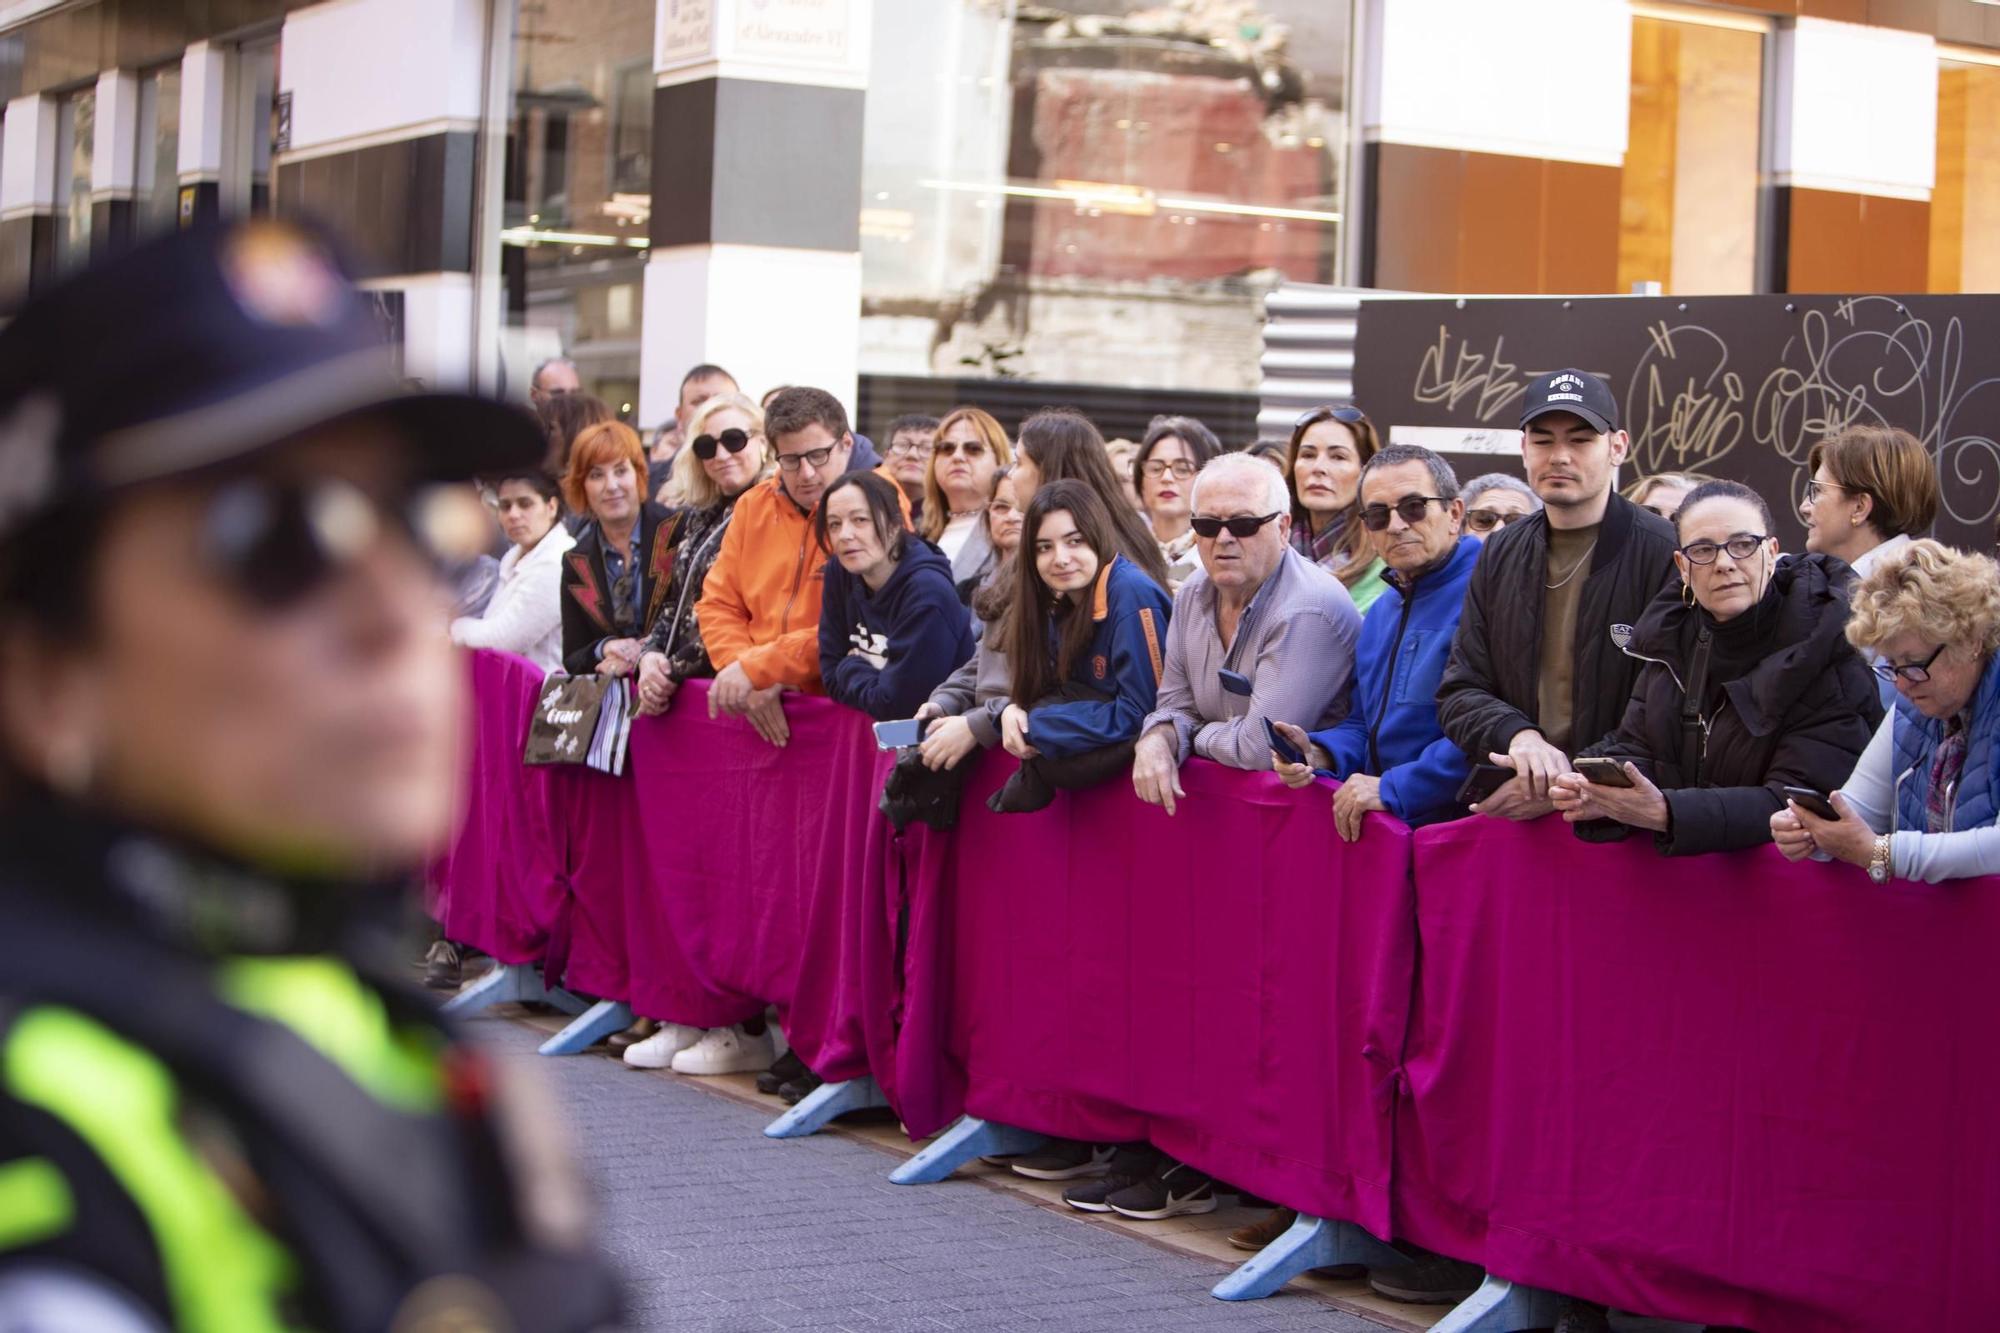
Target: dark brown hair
1035,674
1890,467
566,416
1064,446
885,510
1356,554
1199,439
796,408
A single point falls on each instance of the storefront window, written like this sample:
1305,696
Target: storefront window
76,142
1689,191
1080,193
579,193
158,146
246,177
1965,204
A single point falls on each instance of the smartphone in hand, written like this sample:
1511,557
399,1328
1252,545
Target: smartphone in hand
1604,772
1482,782
1812,802
1285,749
896,735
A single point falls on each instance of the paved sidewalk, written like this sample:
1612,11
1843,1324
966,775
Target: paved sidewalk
719,1228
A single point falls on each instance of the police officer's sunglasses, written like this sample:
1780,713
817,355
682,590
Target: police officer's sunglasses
278,541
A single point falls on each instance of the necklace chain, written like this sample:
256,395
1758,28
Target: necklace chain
1581,561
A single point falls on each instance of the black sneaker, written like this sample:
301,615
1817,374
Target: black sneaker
1575,1316
1428,1279
1178,1190
798,1089
1066,1159
443,969
787,1068
1130,1165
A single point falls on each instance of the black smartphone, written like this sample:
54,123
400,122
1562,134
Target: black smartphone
1604,772
1482,782
1813,802
1235,682
1285,749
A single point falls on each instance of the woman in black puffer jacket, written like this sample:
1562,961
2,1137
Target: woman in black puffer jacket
1750,686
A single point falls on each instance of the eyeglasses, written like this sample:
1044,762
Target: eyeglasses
1740,547
1914,672
734,440
277,542
919,446
1156,468
1242,528
816,457
1347,415
1815,489
1485,520
1411,509
952,448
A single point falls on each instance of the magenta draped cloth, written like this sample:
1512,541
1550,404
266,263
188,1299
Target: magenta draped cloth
1725,1089
1231,982
501,885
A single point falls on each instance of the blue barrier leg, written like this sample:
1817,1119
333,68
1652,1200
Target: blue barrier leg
568,1001
971,1137
822,1104
598,1022
1500,1306
506,983
1312,1242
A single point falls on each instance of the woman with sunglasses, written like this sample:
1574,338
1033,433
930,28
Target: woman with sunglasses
525,613
1924,801
958,484
1495,499
1085,636
726,455
1163,469
614,582
1751,686
1324,457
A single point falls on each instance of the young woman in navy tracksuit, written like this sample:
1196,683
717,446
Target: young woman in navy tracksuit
891,627
1085,638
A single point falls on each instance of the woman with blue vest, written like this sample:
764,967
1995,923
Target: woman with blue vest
1923,801
1085,639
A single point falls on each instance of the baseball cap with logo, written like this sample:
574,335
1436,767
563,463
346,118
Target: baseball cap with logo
1574,391
202,348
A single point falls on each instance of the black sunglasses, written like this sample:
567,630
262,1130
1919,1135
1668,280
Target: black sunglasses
277,542
1242,528
1914,672
1485,520
1411,509
734,440
1347,415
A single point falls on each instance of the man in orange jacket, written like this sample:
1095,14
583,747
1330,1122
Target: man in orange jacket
759,608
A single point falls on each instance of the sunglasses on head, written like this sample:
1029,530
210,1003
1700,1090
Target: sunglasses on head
279,541
734,440
1411,509
1346,415
1242,528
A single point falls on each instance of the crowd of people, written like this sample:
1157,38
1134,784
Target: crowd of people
1337,609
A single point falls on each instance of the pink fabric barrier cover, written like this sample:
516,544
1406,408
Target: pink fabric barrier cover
1231,983
1724,1089
501,887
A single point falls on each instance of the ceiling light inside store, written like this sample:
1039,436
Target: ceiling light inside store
1133,200
527,236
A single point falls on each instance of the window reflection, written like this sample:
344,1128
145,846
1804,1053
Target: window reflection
76,142
158,146
1096,195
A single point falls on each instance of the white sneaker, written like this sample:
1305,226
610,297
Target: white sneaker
727,1050
658,1051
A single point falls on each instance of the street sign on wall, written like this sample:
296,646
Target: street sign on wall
1731,386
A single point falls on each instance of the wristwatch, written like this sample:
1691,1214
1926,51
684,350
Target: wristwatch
1878,862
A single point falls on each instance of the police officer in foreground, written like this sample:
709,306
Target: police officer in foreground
228,715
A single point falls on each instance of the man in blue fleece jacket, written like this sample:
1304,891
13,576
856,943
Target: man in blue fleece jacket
1389,752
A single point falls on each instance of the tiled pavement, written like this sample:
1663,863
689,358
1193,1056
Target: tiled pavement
719,1228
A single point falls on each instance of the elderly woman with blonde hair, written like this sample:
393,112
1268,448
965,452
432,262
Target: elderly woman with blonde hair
1923,802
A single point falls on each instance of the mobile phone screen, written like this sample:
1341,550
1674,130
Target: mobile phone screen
895,735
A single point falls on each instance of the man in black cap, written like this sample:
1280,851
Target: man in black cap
1534,673
227,738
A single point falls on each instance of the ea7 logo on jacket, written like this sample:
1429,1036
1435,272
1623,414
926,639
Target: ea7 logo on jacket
1099,667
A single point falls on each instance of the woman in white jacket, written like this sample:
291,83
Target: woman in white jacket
525,614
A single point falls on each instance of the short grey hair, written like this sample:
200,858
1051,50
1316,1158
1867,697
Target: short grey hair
1277,496
1502,481
1443,480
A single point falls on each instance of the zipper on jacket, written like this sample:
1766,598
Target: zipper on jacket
1375,728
